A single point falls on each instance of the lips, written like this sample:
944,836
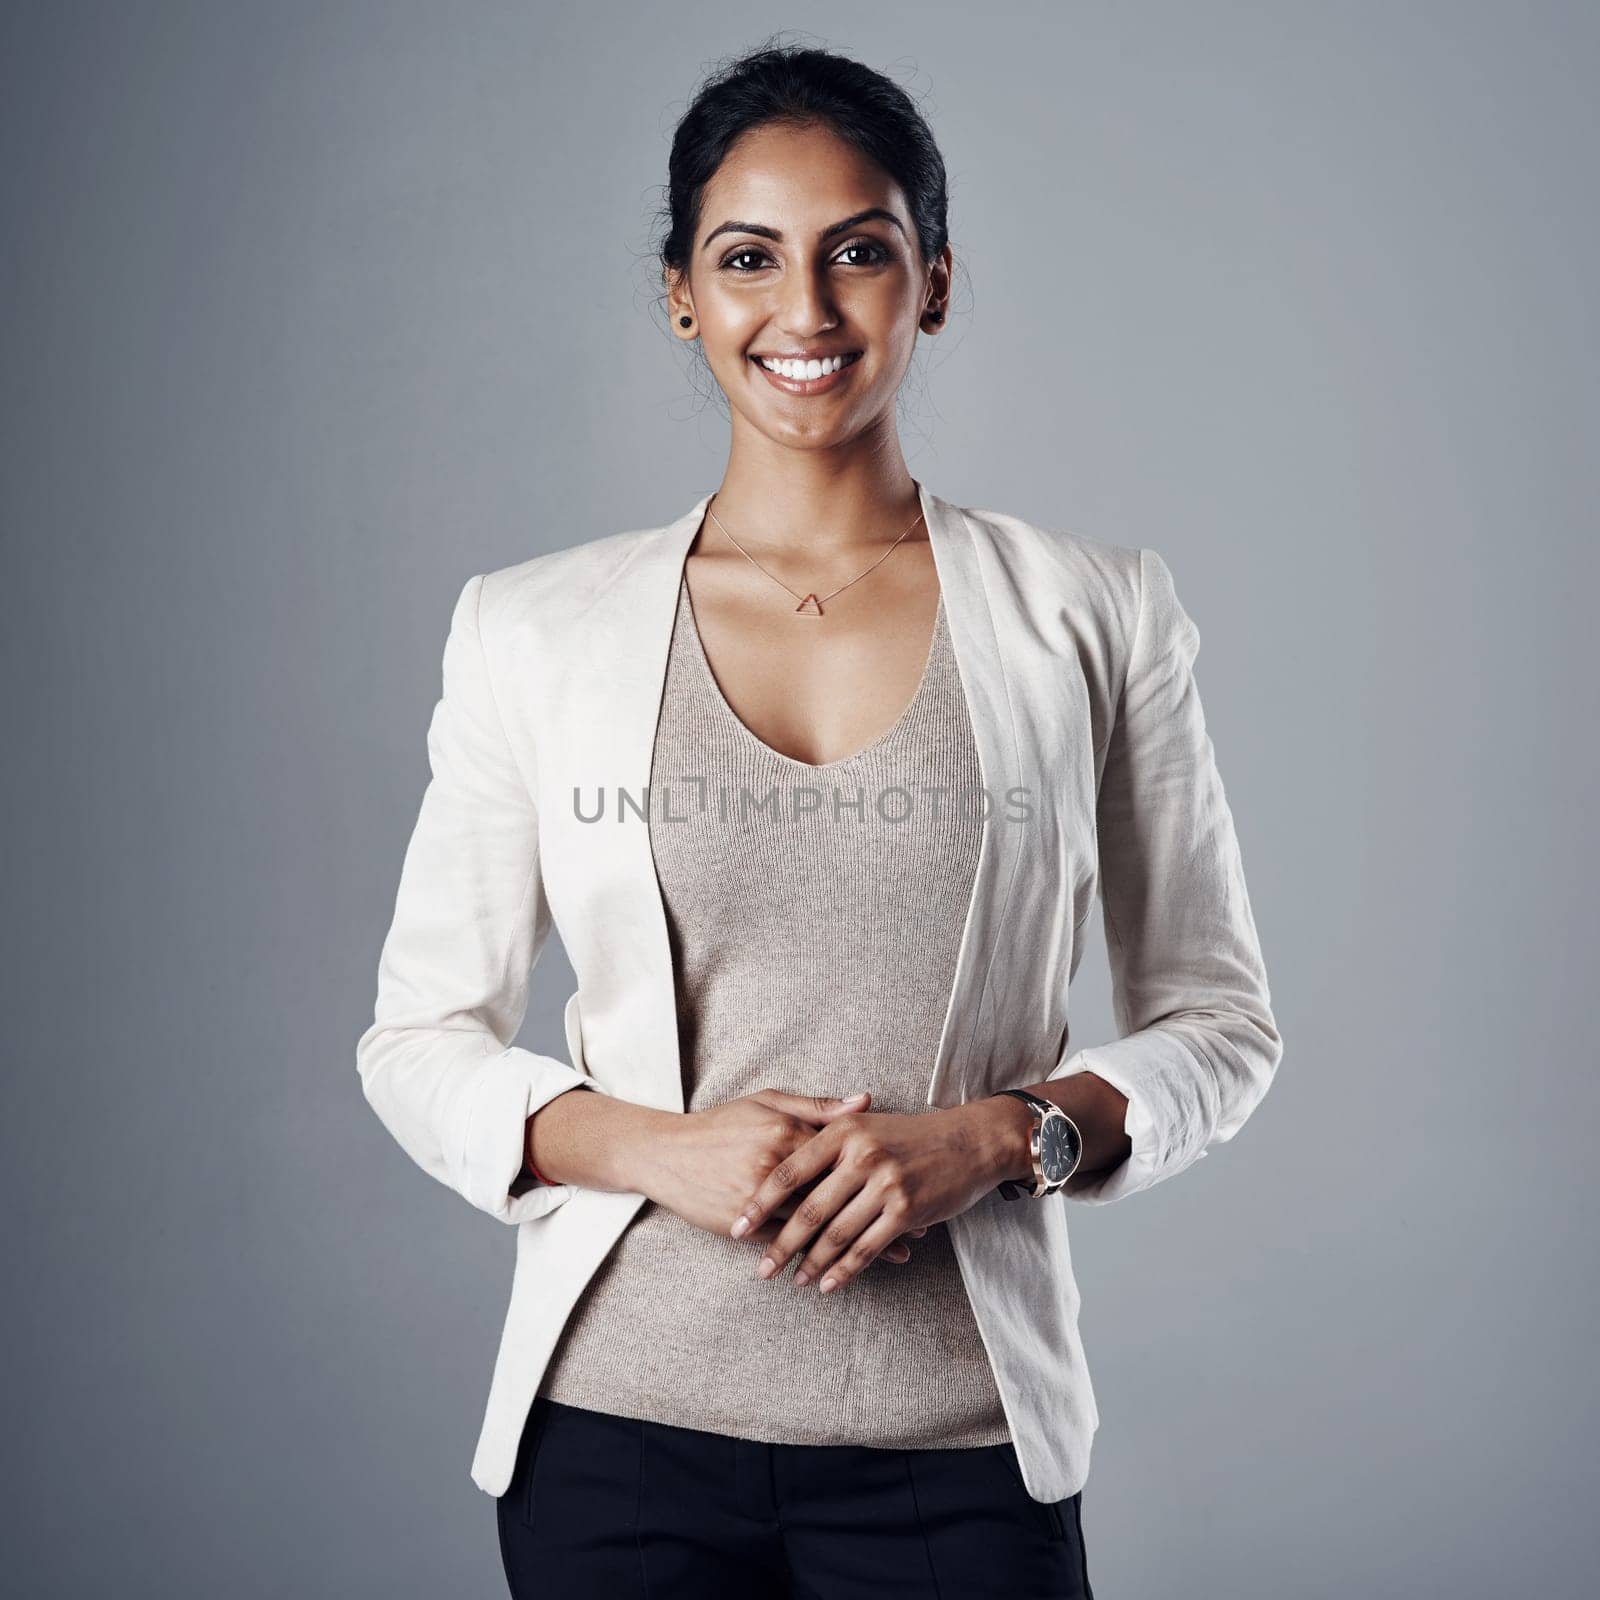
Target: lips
820,384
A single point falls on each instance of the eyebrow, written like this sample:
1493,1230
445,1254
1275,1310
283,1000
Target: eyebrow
871,214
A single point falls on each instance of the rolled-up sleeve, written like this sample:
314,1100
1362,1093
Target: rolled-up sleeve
1199,1045
470,919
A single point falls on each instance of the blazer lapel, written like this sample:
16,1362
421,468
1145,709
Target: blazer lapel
975,633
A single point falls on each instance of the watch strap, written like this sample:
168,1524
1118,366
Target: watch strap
1015,1188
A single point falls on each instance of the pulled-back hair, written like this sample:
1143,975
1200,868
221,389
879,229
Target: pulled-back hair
801,86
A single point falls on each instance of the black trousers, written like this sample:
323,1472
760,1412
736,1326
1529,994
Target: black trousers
619,1509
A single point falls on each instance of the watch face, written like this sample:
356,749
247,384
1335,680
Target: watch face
1058,1148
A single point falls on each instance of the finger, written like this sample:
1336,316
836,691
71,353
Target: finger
800,1166
837,1106
840,1235
899,1252
818,1109
861,1254
816,1211
769,1229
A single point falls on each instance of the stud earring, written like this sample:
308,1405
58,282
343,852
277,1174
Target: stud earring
684,322
936,316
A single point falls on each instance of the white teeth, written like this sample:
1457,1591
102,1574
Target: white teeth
803,369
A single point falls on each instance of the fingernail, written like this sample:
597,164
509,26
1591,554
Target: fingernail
802,1278
827,1284
741,1227
860,1094
768,1267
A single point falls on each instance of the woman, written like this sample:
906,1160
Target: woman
819,782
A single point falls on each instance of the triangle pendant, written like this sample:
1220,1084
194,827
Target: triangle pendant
810,607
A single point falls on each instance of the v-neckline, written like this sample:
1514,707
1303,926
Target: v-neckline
699,651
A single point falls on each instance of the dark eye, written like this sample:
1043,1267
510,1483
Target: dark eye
876,252
873,251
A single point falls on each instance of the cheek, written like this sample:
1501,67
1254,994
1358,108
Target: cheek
894,350
884,305
729,318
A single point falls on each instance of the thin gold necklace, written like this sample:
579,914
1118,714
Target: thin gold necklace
810,605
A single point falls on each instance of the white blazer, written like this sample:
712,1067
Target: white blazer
1076,659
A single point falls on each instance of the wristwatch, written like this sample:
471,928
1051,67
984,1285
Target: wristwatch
1056,1147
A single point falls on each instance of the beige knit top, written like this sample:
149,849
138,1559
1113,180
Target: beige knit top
815,915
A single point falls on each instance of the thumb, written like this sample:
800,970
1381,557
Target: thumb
834,1107
812,1107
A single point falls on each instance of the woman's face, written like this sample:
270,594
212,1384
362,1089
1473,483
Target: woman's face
805,247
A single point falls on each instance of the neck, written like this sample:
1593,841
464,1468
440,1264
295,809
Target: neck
777,500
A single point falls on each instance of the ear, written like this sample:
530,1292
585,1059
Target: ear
679,304
940,276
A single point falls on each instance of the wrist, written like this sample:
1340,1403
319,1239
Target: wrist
644,1137
605,1142
1003,1138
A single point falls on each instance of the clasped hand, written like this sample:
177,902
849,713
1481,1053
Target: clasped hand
843,1184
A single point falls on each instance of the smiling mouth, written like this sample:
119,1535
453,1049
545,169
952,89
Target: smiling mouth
806,371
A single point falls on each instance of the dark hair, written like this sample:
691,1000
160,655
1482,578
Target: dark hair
790,84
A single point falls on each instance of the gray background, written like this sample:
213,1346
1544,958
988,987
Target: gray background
313,311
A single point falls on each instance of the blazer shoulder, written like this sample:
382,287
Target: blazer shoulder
560,583
1103,577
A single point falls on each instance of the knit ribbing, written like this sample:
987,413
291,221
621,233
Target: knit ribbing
815,915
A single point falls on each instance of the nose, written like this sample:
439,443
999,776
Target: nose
807,305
